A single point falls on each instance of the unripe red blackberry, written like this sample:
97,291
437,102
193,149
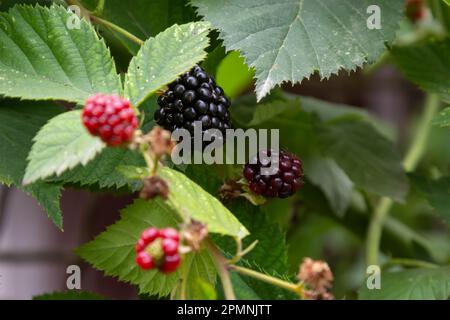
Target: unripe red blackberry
194,96
285,180
415,10
111,118
158,248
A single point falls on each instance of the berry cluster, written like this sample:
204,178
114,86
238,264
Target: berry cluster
194,96
111,118
286,179
158,248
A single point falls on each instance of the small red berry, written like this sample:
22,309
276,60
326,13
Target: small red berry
415,10
149,235
140,245
169,246
144,260
170,233
158,247
111,118
170,263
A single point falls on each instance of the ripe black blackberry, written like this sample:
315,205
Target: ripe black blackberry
284,181
194,96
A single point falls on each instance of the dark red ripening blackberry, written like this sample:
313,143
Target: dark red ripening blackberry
158,248
194,96
286,179
111,118
415,10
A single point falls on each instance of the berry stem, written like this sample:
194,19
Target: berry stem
410,162
295,288
93,16
222,269
99,8
117,29
241,252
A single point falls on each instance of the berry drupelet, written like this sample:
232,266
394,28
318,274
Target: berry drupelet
286,179
111,118
158,248
194,96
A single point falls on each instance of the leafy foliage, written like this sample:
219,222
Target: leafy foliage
414,284
61,144
375,166
293,45
42,59
144,18
113,250
350,158
19,122
147,74
437,193
427,65
185,197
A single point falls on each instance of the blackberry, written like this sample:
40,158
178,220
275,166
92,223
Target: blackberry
284,181
111,118
194,96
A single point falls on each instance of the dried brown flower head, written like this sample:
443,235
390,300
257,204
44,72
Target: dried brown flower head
317,276
194,233
153,187
160,141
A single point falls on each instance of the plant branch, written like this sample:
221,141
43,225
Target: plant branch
93,16
99,9
410,162
117,29
295,288
222,268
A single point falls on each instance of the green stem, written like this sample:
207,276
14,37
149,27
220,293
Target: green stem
410,263
410,162
222,269
117,29
94,18
99,9
295,288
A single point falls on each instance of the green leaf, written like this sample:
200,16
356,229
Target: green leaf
328,176
413,284
48,195
104,171
200,276
369,159
60,145
233,75
113,250
42,59
290,40
144,18
437,193
163,58
19,123
204,290
70,295
191,201
427,65
443,118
